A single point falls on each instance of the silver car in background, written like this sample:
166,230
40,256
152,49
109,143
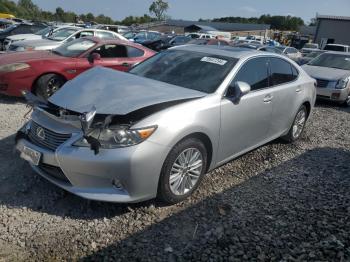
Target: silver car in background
155,132
61,36
332,72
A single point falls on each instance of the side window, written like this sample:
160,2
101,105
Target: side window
22,29
295,72
105,35
83,34
112,51
255,73
134,52
281,72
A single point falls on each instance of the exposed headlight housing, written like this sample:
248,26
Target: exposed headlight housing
13,67
119,136
342,83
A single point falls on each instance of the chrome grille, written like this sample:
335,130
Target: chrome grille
46,138
322,83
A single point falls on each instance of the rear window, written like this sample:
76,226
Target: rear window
193,70
335,48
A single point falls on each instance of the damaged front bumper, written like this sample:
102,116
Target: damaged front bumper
122,175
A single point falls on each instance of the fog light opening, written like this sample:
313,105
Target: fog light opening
335,95
117,184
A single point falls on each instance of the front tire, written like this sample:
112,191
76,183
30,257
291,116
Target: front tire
182,171
298,125
48,84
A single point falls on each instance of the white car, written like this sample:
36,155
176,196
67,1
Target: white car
200,35
291,52
37,36
61,36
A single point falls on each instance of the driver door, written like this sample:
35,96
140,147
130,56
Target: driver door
245,124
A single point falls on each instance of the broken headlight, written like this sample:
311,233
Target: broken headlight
115,137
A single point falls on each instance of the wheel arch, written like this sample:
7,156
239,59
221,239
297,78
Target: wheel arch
43,74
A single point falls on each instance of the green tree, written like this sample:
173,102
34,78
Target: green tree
159,8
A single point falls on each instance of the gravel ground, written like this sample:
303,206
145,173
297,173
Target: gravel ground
278,203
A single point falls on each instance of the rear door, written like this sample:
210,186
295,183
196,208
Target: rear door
245,125
286,92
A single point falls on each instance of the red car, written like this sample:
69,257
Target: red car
44,72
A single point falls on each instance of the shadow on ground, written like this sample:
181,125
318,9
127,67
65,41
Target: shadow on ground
298,211
330,104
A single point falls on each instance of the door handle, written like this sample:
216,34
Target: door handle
268,98
298,90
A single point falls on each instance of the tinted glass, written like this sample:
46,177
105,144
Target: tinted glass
22,29
255,73
332,60
112,51
281,71
134,52
193,70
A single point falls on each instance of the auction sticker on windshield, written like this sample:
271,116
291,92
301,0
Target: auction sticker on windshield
214,60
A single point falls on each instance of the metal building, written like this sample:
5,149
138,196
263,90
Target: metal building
332,30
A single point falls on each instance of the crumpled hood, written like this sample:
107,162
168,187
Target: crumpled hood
116,93
38,43
326,73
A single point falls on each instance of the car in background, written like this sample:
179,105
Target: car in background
157,130
200,35
23,28
291,52
130,35
209,41
44,72
146,36
260,47
167,41
308,57
61,36
5,23
308,48
43,33
332,72
337,47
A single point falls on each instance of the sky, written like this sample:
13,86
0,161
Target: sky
207,9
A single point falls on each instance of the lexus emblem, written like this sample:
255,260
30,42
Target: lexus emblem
40,132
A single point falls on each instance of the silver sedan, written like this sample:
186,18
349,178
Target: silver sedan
155,131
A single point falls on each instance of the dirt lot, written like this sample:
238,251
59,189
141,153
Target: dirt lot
279,203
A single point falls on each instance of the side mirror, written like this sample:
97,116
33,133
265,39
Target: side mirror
236,91
92,57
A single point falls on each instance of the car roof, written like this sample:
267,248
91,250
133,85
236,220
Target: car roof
338,45
228,51
336,52
114,41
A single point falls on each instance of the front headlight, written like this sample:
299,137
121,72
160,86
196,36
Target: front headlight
119,136
13,67
342,83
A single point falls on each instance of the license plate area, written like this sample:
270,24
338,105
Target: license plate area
30,155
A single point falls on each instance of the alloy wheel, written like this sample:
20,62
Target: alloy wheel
52,86
186,171
299,123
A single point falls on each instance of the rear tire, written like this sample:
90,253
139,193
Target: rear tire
48,84
298,125
182,171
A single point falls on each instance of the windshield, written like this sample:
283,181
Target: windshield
44,31
62,34
8,29
332,60
313,54
193,70
74,48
